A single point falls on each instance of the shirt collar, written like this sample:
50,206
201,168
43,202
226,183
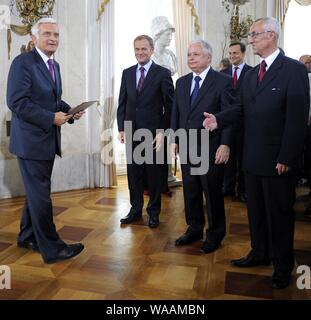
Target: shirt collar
43,55
146,66
270,59
203,74
240,66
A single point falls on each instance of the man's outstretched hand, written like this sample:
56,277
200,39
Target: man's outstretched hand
210,122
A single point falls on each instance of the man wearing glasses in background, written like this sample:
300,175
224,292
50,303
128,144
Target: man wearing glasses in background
275,100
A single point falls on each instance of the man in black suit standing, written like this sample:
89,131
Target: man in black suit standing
234,183
34,96
275,100
145,101
202,90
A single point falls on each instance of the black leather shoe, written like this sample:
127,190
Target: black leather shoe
29,244
131,217
280,280
249,261
188,237
209,246
70,251
242,197
153,221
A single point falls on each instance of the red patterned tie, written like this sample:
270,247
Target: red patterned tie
51,69
235,77
141,79
262,70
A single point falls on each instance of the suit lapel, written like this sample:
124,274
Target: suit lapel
149,77
206,85
57,78
240,80
254,80
270,74
43,68
132,80
187,89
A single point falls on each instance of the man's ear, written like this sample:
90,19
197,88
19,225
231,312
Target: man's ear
33,39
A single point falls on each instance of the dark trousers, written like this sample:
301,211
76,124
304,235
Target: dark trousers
138,175
234,180
164,168
37,217
271,218
211,185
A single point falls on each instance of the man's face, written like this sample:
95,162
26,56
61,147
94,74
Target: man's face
198,59
48,38
261,40
236,56
143,51
306,60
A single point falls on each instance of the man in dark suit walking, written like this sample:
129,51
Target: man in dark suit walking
34,96
234,183
202,90
145,102
275,100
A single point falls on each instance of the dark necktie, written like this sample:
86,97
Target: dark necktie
141,79
51,69
262,70
235,77
196,89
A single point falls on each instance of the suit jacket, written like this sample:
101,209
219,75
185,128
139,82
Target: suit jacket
151,107
241,77
33,98
275,116
238,127
214,96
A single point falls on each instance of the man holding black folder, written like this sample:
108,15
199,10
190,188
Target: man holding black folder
34,96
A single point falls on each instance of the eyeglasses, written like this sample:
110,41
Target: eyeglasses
256,34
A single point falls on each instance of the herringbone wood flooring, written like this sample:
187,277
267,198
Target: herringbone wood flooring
134,261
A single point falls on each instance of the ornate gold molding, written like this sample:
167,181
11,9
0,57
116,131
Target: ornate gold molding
197,26
238,28
102,8
30,11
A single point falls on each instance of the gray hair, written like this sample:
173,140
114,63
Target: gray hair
206,46
36,27
271,24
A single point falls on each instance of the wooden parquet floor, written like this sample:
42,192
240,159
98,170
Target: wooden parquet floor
134,261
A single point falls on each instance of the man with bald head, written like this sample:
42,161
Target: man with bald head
275,101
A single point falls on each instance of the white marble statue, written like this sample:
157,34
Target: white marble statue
162,32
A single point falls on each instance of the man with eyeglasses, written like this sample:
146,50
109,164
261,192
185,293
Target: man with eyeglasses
275,100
